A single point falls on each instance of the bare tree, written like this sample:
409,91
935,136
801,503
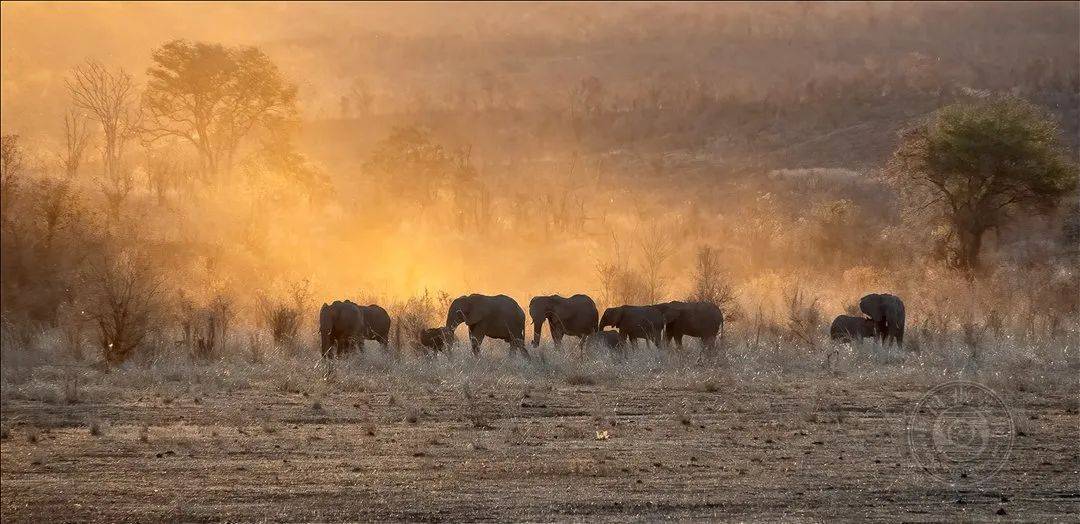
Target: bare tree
109,97
123,300
11,171
710,283
166,170
76,138
655,247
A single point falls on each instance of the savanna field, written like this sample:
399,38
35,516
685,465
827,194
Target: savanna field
188,189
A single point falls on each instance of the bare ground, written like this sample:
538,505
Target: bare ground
815,449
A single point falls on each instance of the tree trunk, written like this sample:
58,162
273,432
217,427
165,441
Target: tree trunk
970,247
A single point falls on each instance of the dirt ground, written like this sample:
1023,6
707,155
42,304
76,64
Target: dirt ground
730,451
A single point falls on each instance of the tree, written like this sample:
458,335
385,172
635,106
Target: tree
123,296
109,97
213,96
411,164
710,284
11,171
76,138
972,164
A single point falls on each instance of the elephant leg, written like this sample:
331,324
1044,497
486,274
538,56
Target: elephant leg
708,344
556,338
476,341
519,345
678,342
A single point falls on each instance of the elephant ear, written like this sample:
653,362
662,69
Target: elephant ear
473,310
869,305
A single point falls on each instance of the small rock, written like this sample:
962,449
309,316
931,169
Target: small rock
1001,511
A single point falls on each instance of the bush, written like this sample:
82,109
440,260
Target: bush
284,316
123,299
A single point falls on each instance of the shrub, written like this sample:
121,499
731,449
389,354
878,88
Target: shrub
123,299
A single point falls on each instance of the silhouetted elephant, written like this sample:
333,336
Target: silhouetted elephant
575,316
376,324
887,311
635,322
496,316
694,319
846,328
436,339
341,326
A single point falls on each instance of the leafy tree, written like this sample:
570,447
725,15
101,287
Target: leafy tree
213,96
972,164
412,165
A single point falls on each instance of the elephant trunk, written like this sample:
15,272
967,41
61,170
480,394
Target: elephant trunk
538,310
538,324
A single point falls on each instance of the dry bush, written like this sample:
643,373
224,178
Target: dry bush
96,427
711,284
284,316
803,316
205,327
123,297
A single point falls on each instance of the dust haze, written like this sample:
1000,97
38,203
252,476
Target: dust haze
775,159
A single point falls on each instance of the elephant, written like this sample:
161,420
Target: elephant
376,324
496,316
846,328
436,339
575,316
607,338
635,322
341,326
887,312
695,319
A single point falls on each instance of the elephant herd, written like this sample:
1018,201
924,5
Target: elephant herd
344,325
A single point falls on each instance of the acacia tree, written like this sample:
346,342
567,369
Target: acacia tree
973,164
213,96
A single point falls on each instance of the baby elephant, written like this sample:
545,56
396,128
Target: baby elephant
436,339
608,338
847,328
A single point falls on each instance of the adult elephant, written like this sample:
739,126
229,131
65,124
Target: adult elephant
635,322
575,316
376,324
341,326
887,312
703,320
847,328
496,316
